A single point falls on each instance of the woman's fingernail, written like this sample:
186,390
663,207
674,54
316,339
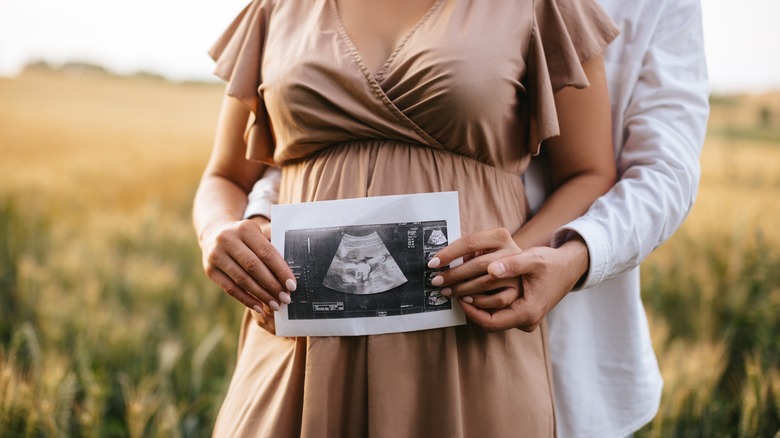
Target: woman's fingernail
273,305
434,263
258,309
437,280
446,292
468,300
291,285
498,268
284,297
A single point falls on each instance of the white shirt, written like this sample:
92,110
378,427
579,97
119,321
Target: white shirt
606,377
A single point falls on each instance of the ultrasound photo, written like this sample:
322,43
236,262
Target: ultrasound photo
360,271
363,265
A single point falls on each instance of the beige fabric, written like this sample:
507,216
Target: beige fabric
460,105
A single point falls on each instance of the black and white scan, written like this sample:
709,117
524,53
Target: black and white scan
360,271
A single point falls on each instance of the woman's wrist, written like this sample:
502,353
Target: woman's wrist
264,223
205,232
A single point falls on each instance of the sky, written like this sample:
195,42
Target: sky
171,37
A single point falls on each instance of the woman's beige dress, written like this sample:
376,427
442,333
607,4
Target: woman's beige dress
462,104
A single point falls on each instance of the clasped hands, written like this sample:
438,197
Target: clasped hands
499,285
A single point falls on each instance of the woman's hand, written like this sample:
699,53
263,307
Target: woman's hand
239,258
471,280
265,317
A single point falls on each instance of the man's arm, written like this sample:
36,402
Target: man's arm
664,126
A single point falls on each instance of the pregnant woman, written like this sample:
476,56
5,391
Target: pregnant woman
356,98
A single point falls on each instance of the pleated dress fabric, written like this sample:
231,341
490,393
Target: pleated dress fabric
462,104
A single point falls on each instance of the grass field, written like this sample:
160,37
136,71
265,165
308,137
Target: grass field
109,328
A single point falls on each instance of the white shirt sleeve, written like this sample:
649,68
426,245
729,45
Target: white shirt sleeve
264,194
664,122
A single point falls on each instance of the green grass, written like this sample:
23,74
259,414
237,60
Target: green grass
722,292
114,333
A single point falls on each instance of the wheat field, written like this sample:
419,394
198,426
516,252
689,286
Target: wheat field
109,328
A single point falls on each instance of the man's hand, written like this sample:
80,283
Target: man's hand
264,317
502,287
547,275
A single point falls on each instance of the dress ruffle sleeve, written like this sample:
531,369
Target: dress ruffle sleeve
565,34
238,54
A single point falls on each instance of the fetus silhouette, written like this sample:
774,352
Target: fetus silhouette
363,265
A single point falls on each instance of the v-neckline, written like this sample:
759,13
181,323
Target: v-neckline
379,75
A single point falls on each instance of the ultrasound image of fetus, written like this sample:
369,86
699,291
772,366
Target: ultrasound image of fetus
363,265
435,298
437,238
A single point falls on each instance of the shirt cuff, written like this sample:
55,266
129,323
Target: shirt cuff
264,194
599,250
258,207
